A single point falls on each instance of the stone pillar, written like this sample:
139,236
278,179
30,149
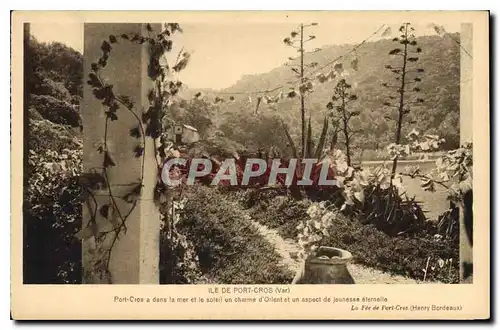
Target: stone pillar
466,135
135,254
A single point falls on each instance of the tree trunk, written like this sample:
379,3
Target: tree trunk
302,105
401,103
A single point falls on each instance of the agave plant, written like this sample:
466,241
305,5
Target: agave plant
311,149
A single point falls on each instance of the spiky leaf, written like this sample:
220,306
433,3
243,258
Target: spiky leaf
309,141
322,139
290,140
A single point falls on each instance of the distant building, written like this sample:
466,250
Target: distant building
184,134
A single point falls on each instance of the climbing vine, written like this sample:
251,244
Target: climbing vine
152,122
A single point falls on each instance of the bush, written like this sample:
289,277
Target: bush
52,209
279,212
51,218
405,254
177,264
52,88
401,255
230,250
391,213
55,110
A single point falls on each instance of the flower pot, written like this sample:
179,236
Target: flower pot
327,265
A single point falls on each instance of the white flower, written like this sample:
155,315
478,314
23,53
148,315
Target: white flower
397,181
360,196
313,211
340,181
317,224
326,218
413,134
341,166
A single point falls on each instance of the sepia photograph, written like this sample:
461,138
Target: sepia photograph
245,152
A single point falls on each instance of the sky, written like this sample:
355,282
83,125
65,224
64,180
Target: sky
224,52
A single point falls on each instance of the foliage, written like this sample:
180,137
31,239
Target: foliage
56,110
178,260
51,205
311,150
254,132
372,197
454,165
197,113
341,118
229,248
276,210
54,81
454,172
51,254
403,255
53,64
219,146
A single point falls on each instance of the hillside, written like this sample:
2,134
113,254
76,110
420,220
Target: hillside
55,81
52,211
440,88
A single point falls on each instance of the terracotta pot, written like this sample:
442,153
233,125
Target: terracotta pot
327,265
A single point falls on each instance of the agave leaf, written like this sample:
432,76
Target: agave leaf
322,139
309,141
290,140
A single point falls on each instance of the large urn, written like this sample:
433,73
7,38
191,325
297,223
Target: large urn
327,265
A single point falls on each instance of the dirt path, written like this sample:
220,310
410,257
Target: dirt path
360,273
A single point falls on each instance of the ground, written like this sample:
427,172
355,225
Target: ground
361,274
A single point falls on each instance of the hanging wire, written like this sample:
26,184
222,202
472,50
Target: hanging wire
309,73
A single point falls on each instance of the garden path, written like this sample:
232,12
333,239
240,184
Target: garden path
361,274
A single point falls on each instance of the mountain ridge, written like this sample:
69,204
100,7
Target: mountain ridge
439,114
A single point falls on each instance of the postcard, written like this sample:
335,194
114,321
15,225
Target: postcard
250,165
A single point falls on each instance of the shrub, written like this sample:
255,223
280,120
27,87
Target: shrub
177,264
229,248
280,212
52,215
372,195
55,110
52,88
52,209
403,255
178,260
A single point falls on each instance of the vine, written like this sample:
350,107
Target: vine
152,123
